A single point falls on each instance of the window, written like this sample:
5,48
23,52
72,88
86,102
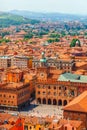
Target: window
72,92
65,128
54,87
38,92
30,127
65,88
4,95
25,127
44,93
72,128
48,87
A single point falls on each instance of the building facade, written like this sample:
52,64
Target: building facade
77,109
15,92
67,65
5,61
22,61
60,90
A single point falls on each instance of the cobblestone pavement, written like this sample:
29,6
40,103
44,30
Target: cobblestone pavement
40,111
44,110
47,110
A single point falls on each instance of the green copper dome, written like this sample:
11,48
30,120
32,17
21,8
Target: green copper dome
43,60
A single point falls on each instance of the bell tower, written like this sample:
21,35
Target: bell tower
43,70
43,60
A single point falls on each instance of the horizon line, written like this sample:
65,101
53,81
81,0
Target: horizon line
44,12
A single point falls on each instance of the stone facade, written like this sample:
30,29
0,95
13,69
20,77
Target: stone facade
66,65
5,61
22,62
54,92
15,92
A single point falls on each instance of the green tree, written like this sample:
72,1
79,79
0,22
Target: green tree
28,36
4,40
54,35
53,40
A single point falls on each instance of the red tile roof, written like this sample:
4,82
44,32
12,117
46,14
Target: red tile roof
79,104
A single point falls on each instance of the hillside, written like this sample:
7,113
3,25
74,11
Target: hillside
49,16
7,19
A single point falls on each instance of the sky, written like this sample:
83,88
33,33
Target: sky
62,6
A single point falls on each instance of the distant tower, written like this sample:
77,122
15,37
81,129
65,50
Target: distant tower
43,60
77,44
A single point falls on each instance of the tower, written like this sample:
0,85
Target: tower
43,60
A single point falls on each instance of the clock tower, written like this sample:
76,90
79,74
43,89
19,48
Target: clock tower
43,70
43,60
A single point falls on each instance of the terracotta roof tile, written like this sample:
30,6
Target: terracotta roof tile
78,104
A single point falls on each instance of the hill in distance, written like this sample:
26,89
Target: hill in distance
7,19
48,16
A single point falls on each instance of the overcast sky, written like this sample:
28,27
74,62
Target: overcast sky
64,6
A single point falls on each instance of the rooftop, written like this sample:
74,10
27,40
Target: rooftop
79,104
72,77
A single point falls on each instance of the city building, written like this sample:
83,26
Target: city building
19,122
5,61
77,109
16,91
22,61
11,122
64,124
56,87
66,65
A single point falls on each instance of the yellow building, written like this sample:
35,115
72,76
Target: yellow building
33,123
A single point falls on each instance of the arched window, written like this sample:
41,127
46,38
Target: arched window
49,101
54,102
44,101
60,102
39,100
65,102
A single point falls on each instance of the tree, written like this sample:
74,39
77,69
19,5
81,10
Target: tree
28,36
53,40
74,41
54,35
4,40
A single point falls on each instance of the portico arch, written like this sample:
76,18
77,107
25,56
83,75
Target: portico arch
54,102
65,102
44,101
49,101
60,102
39,100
